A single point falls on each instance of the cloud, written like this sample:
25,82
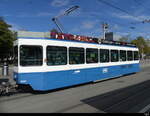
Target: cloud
129,17
44,14
116,37
7,15
123,16
40,14
59,3
116,27
15,27
88,24
84,28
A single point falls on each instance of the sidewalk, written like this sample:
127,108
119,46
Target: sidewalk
10,75
145,63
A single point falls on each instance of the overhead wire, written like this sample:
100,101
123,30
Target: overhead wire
103,20
120,9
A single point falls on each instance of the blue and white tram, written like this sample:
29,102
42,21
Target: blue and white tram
47,64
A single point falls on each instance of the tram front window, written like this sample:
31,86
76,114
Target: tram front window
31,55
136,55
16,56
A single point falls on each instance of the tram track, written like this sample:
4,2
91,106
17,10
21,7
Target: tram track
16,94
14,97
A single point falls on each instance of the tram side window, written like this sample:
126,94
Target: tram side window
91,55
104,55
56,55
31,55
114,56
76,55
129,55
136,55
123,55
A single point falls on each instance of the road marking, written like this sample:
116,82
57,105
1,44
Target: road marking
145,109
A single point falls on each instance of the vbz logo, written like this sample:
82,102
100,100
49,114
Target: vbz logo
105,70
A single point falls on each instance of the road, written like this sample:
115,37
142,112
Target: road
128,94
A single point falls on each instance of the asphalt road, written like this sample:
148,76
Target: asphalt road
128,94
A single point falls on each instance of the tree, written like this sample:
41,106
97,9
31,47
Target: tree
142,45
54,30
123,39
6,40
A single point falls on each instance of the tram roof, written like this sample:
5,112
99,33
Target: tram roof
46,35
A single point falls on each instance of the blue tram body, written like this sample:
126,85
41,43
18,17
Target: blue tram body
36,62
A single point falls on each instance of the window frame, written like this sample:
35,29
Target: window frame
117,55
16,55
129,55
134,56
56,46
107,56
84,55
96,49
120,56
31,46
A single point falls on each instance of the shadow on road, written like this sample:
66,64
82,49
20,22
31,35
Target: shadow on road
126,100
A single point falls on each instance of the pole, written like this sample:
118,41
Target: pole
104,31
58,25
104,27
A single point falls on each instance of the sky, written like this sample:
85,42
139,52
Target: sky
124,17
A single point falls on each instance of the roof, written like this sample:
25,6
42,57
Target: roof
47,35
33,34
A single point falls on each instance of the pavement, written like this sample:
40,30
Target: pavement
127,94
9,76
145,63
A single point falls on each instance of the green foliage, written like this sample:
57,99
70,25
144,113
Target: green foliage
123,39
6,40
141,43
54,30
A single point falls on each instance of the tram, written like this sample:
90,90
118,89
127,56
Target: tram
45,61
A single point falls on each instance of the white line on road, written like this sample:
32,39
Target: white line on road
145,109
